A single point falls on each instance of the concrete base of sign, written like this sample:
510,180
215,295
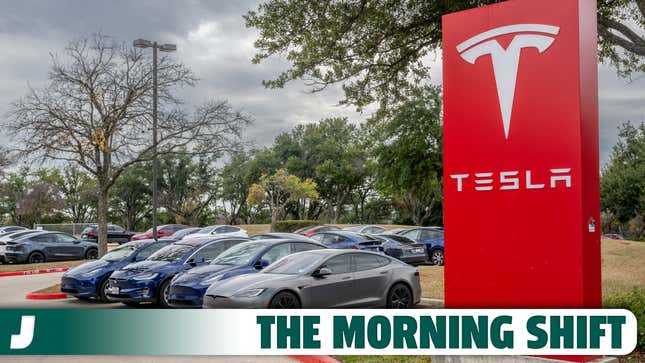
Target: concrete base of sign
508,359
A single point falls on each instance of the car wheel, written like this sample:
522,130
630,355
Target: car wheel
102,291
400,297
36,257
92,254
284,300
164,294
436,257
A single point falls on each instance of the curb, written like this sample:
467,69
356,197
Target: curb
432,303
33,272
314,359
48,296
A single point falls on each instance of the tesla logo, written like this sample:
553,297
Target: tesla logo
26,335
506,61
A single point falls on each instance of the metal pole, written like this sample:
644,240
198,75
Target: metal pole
154,141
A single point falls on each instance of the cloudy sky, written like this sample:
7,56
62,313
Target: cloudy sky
213,41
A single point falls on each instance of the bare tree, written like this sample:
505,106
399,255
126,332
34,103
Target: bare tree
96,112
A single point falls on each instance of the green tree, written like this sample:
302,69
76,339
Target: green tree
78,190
13,190
376,49
276,190
236,179
130,201
622,183
408,149
330,153
188,187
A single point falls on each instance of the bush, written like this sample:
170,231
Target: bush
292,225
633,301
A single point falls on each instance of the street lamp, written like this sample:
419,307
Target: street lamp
142,43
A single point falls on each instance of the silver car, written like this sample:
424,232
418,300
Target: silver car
322,279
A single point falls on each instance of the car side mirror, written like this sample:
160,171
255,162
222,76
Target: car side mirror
196,261
76,241
321,272
260,264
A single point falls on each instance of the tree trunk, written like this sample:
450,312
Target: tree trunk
102,214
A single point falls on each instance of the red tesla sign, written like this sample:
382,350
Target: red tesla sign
521,170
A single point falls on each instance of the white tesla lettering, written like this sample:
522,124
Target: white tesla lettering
510,180
487,181
529,183
561,175
459,178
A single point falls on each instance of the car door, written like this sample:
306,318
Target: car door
334,290
372,274
48,244
71,247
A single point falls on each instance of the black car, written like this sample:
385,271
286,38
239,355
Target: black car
114,234
48,246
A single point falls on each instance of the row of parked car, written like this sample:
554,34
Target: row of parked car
273,270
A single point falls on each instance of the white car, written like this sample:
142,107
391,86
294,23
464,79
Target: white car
220,230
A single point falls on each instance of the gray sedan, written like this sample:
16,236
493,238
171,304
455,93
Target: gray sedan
322,279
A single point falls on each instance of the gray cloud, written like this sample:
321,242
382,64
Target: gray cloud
214,42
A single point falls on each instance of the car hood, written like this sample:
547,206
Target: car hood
252,281
138,268
93,265
200,273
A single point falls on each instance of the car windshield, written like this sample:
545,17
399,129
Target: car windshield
239,255
184,232
208,229
118,254
171,253
400,239
295,264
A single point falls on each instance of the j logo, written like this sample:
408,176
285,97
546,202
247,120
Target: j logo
23,340
506,62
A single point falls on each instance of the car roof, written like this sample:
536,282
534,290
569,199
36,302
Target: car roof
198,241
348,233
339,251
275,241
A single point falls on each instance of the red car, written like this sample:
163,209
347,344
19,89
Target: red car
310,231
162,231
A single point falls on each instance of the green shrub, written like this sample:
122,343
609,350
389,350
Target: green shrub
633,301
292,225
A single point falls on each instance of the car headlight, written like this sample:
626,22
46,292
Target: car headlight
211,280
250,293
91,273
148,276
14,247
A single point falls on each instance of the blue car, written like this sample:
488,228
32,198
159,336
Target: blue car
148,281
432,237
188,288
403,248
89,280
348,239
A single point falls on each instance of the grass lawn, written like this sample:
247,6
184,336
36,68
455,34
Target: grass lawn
623,269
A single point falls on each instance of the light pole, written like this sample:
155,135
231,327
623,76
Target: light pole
142,43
